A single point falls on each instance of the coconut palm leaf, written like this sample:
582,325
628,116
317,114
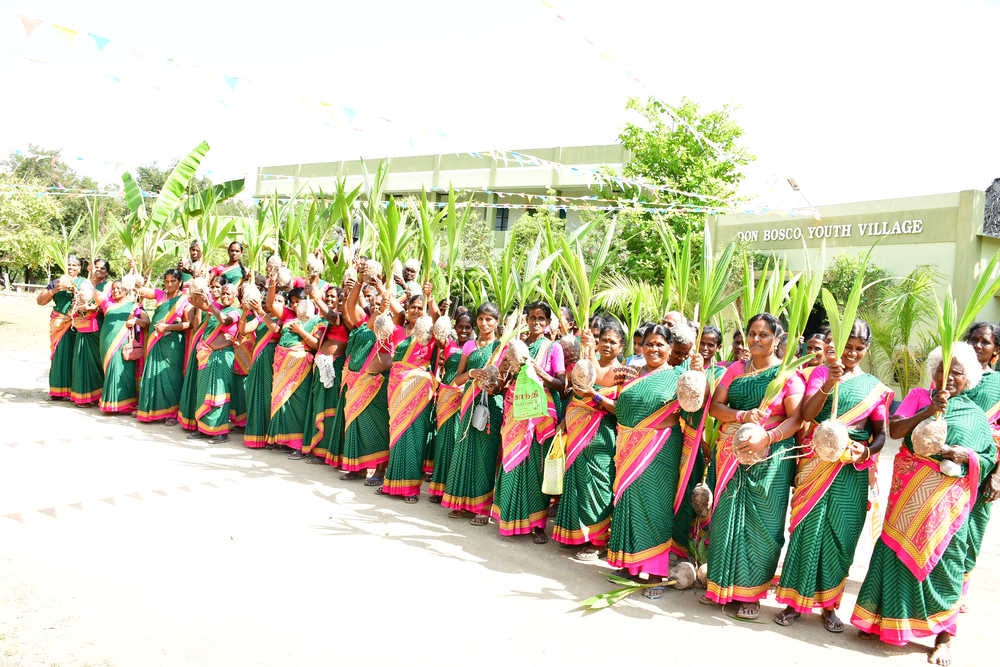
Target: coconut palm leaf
581,283
206,199
57,249
454,230
712,296
430,226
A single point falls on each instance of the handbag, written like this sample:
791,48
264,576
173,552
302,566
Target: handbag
481,414
133,349
555,466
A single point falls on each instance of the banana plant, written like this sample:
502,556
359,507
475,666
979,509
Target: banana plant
842,323
712,296
454,229
205,200
580,285
806,289
147,232
57,249
951,326
392,234
430,225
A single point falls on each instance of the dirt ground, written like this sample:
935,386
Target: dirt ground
123,544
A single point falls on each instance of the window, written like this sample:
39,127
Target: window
502,223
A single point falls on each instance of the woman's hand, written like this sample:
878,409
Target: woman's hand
585,392
836,369
697,362
349,284
296,328
477,374
857,452
755,416
956,454
130,322
993,486
160,327
587,338
428,289
939,401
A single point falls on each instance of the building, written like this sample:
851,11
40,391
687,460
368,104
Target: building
946,231
474,171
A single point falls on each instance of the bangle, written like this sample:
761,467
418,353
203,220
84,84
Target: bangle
770,441
825,393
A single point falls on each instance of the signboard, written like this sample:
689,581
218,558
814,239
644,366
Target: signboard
894,228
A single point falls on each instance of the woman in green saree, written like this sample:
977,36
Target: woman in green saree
214,356
468,490
189,398
88,373
62,337
583,516
321,432
647,454
366,410
122,317
410,396
233,271
291,382
915,578
163,369
830,499
519,506
266,329
751,501
448,402
984,337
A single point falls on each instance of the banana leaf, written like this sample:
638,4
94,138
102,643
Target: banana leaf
205,199
177,181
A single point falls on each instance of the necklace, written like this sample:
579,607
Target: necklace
751,370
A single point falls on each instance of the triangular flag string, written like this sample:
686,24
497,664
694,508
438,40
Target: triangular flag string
29,24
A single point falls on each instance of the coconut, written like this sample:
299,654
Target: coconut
315,265
746,433
702,574
199,285
442,329
284,278
691,388
397,269
701,499
272,266
683,575
251,294
517,354
384,327
492,375
128,282
951,469
929,436
86,292
372,270
584,375
65,282
305,310
830,440
350,274
413,288
422,329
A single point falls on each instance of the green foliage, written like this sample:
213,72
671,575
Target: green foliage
27,222
840,277
529,225
151,178
899,321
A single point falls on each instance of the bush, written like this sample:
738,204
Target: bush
840,276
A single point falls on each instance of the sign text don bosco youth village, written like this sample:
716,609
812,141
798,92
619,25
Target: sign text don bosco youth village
835,231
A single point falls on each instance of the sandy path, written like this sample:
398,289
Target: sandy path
127,545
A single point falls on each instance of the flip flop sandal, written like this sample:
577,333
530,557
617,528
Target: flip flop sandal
587,555
707,601
539,538
410,500
350,476
456,514
436,500
653,592
479,520
828,625
373,481
786,619
743,615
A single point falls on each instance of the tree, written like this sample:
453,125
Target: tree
27,219
151,178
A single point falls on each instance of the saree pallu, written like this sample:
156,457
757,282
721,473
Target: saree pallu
646,462
88,374
120,393
190,399
291,386
163,370
748,521
584,512
914,583
62,341
473,467
410,397
366,407
829,506
437,456
242,362
259,383
323,403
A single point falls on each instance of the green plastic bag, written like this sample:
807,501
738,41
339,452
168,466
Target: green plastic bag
529,395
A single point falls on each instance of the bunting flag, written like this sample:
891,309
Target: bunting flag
68,33
101,42
231,81
29,24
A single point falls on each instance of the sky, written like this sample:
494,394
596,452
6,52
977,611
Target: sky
854,100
